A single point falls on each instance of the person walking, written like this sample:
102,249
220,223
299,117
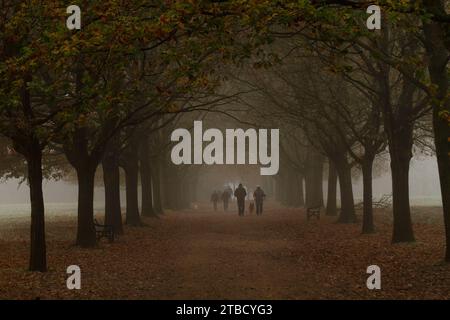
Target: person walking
215,199
240,194
226,195
259,196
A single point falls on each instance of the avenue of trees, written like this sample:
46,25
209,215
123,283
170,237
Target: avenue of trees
107,96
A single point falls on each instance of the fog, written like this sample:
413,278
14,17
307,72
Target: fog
62,196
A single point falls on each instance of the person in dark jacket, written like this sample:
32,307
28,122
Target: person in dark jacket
226,195
215,199
240,194
259,196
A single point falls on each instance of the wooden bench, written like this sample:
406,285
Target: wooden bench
103,231
313,212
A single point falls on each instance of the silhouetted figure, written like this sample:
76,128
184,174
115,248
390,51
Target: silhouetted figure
215,199
226,195
240,194
259,196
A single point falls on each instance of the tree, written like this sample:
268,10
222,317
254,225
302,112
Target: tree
111,178
153,68
331,209
146,179
437,45
28,109
130,164
342,20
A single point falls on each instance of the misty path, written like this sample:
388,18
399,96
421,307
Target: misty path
215,255
222,255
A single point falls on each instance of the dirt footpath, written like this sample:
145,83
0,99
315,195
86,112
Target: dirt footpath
205,255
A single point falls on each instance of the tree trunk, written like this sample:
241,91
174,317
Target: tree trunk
279,189
343,168
85,166
146,180
403,231
295,190
368,226
301,196
169,188
438,52
283,189
38,257
400,152
194,188
292,189
332,190
156,175
111,179
441,130
399,130
131,167
184,189
86,230
314,180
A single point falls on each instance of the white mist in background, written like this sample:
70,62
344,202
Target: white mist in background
61,197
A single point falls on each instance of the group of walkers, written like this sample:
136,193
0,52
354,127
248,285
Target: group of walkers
224,196
240,193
